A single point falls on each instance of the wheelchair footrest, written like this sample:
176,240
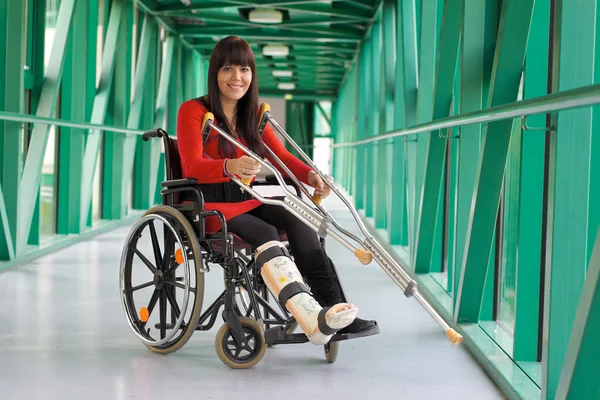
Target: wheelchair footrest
277,335
374,330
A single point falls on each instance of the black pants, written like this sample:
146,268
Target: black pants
264,223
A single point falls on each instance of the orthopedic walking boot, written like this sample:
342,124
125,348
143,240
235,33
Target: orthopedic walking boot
283,279
324,283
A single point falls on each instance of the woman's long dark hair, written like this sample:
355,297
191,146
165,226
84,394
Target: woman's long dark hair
233,50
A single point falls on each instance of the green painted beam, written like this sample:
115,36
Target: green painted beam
141,89
32,171
372,109
306,6
260,34
405,116
427,44
525,343
386,115
112,207
12,20
73,107
472,55
99,110
429,199
156,168
567,241
579,375
507,69
363,96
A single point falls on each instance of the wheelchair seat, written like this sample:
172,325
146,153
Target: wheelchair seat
174,172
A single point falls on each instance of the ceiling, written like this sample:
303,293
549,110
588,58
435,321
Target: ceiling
322,36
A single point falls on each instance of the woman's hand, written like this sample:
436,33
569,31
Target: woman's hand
245,167
322,189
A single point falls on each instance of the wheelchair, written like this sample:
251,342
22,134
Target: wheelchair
170,245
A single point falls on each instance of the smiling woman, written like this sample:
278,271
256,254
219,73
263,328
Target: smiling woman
233,99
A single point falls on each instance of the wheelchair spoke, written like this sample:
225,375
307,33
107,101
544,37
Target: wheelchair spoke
153,301
151,305
174,306
180,286
143,285
163,314
172,267
168,251
145,260
155,244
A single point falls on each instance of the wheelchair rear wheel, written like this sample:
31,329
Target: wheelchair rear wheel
163,250
245,356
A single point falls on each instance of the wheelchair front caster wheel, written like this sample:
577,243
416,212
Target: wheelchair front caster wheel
241,357
331,351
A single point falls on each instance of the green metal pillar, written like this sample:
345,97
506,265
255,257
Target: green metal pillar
579,376
427,20
73,107
527,318
12,29
112,205
478,18
32,171
568,241
99,110
436,146
508,66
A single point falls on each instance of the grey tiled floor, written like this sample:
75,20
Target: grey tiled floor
63,335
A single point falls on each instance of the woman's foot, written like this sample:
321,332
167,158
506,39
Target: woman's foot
331,320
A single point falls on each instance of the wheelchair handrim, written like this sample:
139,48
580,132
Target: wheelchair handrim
186,279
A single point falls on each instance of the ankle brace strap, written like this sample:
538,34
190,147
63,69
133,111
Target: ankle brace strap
290,290
269,254
323,327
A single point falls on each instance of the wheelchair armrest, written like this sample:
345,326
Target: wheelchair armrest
177,183
270,180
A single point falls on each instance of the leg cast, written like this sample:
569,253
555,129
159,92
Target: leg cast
284,280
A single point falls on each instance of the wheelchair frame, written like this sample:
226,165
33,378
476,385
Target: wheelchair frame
269,326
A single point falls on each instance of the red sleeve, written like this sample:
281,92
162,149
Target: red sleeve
298,168
189,142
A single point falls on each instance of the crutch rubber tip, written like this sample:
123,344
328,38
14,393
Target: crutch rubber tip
454,336
363,256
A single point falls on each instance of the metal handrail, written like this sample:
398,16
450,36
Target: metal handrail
8,116
581,97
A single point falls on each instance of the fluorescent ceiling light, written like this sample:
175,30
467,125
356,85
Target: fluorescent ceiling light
276,50
186,2
265,16
282,73
287,86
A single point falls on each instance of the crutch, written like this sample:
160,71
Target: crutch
319,220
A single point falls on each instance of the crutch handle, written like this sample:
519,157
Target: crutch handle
316,198
263,117
246,181
363,256
205,127
454,336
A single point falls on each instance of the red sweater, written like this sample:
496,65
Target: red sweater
210,170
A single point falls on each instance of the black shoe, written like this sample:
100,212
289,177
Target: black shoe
357,326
